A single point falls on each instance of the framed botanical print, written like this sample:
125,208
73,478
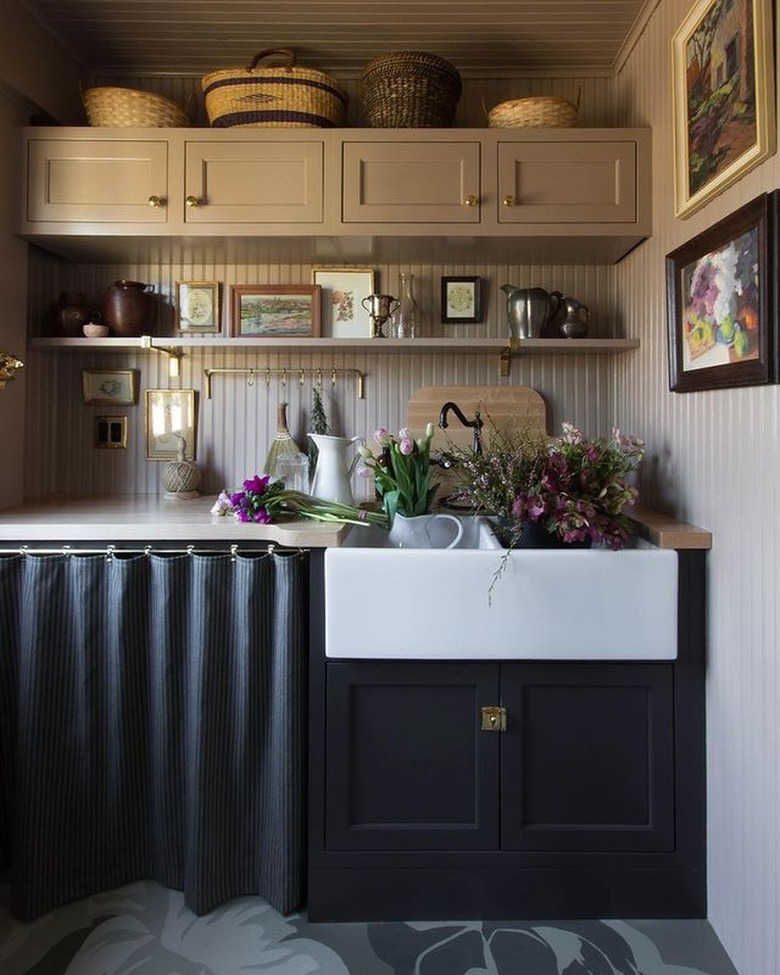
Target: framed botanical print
721,305
116,386
461,300
343,291
724,102
197,307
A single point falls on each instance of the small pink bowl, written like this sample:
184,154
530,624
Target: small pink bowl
94,331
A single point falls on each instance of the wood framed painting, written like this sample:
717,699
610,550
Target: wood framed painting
721,305
343,291
724,102
461,300
117,386
282,311
170,423
197,307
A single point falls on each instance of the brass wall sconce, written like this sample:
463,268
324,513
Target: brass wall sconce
8,366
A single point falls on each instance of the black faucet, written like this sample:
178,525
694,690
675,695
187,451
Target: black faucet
476,424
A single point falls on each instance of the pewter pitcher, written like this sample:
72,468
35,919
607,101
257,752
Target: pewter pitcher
530,310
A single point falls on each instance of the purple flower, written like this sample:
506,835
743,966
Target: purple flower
406,446
257,484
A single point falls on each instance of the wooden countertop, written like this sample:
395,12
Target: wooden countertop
149,519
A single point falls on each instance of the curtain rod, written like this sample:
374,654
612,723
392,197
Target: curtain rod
111,550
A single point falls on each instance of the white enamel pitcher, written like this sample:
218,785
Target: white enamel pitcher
334,469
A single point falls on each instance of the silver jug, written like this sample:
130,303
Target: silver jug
530,310
575,319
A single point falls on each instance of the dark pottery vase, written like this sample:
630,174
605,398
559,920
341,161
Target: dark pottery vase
127,307
70,314
533,535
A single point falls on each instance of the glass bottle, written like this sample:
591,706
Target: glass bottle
406,320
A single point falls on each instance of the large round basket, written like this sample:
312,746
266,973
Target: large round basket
124,107
279,96
409,89
538,112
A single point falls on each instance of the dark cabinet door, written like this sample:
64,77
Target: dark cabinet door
587,758
408,767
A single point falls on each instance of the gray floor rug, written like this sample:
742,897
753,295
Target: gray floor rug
145,929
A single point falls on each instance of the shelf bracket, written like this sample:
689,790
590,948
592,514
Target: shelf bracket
506,356
174,355
315,371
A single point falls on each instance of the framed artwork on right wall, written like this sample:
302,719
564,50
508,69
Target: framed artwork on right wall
724,101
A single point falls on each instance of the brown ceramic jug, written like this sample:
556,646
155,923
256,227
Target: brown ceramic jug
126,307
70,314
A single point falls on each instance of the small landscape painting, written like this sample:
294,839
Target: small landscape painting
276,311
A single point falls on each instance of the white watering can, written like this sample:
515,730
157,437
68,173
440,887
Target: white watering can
334,469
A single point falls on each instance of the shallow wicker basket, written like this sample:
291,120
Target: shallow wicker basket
130,107
409,89
538,112
282,96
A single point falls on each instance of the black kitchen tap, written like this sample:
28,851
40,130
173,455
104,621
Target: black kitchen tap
476,424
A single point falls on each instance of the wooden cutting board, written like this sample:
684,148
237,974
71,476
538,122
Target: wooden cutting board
505,408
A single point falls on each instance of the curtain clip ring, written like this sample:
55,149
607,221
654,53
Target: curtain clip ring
233,552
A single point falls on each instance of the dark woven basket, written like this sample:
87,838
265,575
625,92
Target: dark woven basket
409,89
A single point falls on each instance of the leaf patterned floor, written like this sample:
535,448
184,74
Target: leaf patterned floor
145,929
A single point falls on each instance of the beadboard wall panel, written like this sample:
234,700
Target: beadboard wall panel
713,460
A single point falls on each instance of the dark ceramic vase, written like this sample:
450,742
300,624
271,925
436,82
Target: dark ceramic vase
127,308
70,314
533,535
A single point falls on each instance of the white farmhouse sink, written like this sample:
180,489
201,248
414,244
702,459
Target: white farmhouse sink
437,604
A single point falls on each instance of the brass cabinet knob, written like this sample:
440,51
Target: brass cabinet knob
470,201
192,201
509,200
156,201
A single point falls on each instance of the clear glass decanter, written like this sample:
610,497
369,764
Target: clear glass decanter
406,320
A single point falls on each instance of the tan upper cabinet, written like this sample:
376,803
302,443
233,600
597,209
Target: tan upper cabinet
236,183
553,196
102,181
411,180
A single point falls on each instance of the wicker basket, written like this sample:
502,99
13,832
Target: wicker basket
540,112
283,96
129,107
409,89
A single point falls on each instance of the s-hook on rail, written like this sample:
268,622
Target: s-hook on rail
286,374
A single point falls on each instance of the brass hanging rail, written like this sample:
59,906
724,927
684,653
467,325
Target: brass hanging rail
286,374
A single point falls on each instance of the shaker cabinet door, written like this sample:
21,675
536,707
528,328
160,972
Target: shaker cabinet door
587,759
268,182
411,181
99,181
567,183
408,767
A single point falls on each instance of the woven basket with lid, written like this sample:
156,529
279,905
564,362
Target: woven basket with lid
124,107
279,96
540,112
409,89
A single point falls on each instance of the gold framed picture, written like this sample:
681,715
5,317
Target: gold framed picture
723,85
116,386
197,307
280,311
170,423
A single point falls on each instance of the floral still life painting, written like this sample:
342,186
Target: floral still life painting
721,332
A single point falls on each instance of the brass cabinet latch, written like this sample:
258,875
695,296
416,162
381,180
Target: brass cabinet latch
493,718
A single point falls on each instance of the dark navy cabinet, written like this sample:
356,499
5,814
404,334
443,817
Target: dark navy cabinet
510,789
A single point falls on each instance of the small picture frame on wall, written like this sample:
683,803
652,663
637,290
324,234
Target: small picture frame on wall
461,300
116,386
280,311
343,291
197,307
170,423
724,101
720,288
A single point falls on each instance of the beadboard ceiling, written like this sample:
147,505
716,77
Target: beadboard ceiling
482,38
